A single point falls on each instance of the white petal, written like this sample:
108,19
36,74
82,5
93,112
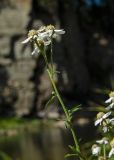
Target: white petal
96,151
110,106
106,115
26,40
59,31
109,100
111,152
111,121
98,121
43,35
35,50
100,141
105,129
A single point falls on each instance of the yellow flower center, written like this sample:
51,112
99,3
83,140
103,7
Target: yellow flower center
100,115
50,27
111,94
32,33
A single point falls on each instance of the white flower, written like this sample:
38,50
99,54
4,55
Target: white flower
43,37
101,116
111,152
102,141
96,150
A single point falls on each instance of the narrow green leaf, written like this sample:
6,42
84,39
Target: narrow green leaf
70,155
50,101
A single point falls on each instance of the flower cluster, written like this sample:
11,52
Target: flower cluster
97,148
106,123
42,37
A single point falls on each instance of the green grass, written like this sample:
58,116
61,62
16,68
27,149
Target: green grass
13,123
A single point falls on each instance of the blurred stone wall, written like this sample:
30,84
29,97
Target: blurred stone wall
24,84
16,64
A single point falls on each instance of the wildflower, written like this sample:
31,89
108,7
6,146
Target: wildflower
42,37
101,116
112,148
111,99
102,141
96,150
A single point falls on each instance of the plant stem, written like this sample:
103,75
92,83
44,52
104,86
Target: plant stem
65,111
50,72
104,152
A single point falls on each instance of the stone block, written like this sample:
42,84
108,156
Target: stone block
14,17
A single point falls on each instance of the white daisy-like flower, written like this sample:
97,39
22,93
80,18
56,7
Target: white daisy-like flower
101,116
96,150
43,37
102,141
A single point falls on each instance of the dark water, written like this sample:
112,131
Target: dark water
45,143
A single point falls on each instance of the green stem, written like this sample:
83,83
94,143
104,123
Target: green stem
58,95
104,152
66,112
50,73
51,51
